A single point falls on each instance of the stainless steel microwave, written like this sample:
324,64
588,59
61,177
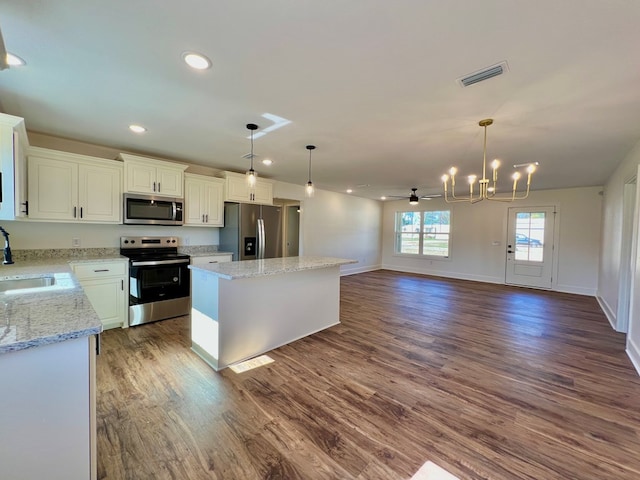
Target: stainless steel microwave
152,210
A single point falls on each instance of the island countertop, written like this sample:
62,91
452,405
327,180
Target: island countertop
270,266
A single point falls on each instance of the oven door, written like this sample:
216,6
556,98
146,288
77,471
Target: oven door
154,281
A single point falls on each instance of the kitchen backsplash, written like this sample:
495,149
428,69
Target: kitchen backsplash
41,254
23,255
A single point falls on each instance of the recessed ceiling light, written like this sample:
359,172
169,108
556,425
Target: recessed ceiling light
383,198
14,60
196,60
267,162
349,190
137,128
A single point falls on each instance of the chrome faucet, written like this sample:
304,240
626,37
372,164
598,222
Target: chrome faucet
7,248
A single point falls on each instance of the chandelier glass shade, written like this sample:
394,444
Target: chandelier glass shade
252,176
487,188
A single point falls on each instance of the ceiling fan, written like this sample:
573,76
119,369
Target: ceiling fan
414,198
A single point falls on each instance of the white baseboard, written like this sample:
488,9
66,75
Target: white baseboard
633,352
352,270
457,276
608,311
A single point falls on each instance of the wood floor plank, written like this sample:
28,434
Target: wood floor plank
487,381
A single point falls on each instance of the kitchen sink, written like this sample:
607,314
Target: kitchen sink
15,284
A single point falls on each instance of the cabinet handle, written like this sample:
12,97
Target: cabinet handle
154,186
203,218
207,218
75,210
101,270
213,261
122,285
158,186
81,212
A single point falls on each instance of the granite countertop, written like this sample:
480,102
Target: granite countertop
39,316
270,266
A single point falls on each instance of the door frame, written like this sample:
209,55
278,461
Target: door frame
554,247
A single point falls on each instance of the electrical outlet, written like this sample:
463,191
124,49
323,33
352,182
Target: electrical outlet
75,242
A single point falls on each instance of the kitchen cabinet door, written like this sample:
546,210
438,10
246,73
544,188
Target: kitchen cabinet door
153,176
100,193
106,286
48,422
204,206
140,178
13,165
237,190
53,189
170,181
73,188
213,191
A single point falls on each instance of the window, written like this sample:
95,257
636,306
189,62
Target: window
423,233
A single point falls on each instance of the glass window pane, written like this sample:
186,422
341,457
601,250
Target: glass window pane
530,236
408,243
436,233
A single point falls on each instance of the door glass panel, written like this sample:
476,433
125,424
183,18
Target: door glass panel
530,236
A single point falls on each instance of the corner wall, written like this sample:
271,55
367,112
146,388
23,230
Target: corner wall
338,225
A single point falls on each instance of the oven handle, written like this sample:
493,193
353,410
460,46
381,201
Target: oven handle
152,263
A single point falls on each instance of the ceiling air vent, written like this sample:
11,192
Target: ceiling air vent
484,74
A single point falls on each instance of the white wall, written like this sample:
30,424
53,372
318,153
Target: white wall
612,228
476,227
611,268
338,225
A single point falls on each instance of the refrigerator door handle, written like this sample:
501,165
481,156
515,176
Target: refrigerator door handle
261,238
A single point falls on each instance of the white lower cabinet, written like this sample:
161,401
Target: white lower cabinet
210,259
106,286
47,411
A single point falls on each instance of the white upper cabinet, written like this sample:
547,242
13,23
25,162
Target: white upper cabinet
73,188
237,190
204,205
13,165
152,176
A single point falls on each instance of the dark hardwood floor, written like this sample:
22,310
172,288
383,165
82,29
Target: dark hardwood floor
487,381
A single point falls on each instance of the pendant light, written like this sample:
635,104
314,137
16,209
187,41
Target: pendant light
309,187
251,173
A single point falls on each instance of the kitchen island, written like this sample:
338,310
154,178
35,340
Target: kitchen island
243,309
47,372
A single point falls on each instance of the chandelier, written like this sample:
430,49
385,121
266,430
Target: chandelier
487,189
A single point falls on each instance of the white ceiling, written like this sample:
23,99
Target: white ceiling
372,83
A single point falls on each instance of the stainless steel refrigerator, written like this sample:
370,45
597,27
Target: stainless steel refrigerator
251,231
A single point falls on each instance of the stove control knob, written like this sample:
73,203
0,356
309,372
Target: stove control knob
168,241
126,241
173,241
133,241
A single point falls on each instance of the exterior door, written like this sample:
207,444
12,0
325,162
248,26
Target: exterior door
530,247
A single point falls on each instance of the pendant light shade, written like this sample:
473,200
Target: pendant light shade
309,190
251,173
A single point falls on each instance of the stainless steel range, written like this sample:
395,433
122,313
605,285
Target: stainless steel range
159,280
